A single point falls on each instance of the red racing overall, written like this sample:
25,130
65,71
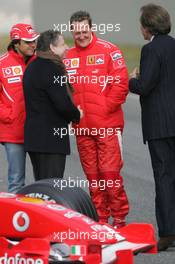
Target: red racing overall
100,80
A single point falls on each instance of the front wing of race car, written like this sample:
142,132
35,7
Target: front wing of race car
31,232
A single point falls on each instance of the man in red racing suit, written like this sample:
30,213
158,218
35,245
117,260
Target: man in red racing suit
12,109
99,76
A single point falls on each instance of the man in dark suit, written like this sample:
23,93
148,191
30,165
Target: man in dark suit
156,86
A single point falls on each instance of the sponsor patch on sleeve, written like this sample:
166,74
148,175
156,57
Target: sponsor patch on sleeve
117,58
116,55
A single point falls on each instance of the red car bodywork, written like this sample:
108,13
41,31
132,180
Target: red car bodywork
31,228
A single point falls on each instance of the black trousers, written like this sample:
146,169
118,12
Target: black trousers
47,165
162,153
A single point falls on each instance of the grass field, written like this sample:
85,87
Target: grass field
132,55
131,52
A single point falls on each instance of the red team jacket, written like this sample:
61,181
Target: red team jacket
100,79
12,108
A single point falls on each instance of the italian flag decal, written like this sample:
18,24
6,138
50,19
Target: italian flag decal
78,250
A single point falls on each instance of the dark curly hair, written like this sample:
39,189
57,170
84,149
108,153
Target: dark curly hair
12,44
46,38
80,16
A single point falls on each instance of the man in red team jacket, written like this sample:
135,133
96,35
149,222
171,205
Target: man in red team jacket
99,76
12,110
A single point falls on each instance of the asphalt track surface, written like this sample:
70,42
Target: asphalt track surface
137,176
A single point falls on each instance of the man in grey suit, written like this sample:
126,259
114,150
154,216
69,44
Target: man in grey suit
156,86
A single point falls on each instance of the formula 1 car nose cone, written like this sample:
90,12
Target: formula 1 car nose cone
21,221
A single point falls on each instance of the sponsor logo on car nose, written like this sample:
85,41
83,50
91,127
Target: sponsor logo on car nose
18,259
21,221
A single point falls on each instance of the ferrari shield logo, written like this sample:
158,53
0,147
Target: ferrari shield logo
90,59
